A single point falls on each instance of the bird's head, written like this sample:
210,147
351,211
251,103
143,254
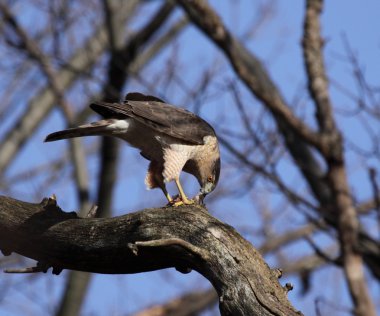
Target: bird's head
210,178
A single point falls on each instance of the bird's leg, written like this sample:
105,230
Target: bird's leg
166,193
184,198
172,202
154,179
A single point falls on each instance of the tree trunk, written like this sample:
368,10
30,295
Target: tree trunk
186,238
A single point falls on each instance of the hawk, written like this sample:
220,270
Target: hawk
171,138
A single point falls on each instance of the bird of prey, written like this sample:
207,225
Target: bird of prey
171,138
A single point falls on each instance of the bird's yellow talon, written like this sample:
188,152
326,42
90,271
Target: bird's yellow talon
188,202
181,202
178,203
175,201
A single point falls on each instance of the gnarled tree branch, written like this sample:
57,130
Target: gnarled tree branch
184,238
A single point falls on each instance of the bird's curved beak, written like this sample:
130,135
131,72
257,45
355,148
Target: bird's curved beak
207,188
199,198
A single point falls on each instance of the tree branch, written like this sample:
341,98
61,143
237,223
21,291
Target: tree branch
184,238
312,44
189,304
297,135
40,106
331,189
342,207
248,67
122,55
76,150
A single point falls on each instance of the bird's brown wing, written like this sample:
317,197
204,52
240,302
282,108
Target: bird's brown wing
160,116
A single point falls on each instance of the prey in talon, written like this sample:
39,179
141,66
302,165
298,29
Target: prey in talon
171,138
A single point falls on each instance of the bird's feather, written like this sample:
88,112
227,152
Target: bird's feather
162,117
91,129
137,96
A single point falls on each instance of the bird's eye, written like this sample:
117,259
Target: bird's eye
209,178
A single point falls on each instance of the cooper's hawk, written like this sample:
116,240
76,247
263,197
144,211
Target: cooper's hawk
173,139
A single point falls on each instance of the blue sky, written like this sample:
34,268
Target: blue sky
277,43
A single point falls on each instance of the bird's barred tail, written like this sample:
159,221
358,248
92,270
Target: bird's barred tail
84,130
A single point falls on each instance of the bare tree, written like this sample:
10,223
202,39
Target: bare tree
292,156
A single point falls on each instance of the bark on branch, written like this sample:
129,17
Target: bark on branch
184,238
